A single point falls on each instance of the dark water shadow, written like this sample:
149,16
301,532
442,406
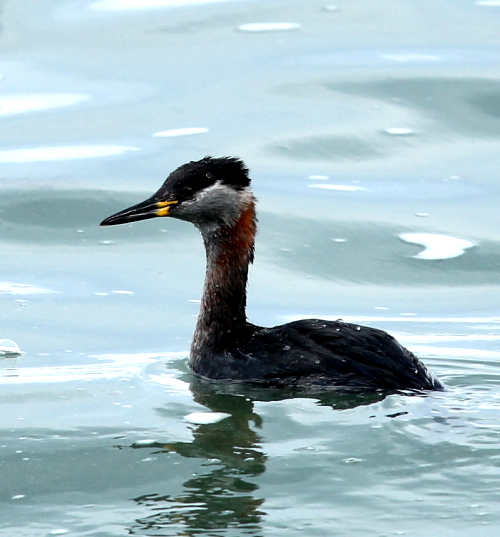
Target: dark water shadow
458,107
224,496
58,216
466,106
210,394
372,253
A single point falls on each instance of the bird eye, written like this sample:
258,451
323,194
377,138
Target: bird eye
208,175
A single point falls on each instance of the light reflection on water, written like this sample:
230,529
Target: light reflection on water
70,152
227,473
118,5
23,289
109,367
19,104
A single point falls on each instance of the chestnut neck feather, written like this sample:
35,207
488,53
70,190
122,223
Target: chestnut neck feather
222,319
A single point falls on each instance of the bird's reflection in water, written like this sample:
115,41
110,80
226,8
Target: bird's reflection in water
224,497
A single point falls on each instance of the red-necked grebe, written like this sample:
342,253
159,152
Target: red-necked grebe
215,195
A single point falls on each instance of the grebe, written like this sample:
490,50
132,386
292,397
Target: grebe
215,195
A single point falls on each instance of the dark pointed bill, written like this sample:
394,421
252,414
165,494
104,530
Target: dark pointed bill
142,211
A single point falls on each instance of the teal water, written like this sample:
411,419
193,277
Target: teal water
363,122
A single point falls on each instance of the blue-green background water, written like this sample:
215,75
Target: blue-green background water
360,121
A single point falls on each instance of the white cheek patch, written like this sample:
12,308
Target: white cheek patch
246,197
221,191
214,192
215,206
220,199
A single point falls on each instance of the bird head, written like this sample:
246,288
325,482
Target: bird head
211,192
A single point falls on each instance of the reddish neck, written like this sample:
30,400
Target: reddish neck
222,318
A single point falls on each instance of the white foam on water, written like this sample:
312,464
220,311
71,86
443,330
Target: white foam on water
447,338
399,131
188,131
393,319
108,366
145,442
268,26
9,348
173,384
23,289
203,418
452,352
411,57
437,246
341,188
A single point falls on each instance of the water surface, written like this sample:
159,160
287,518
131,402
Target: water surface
364,126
